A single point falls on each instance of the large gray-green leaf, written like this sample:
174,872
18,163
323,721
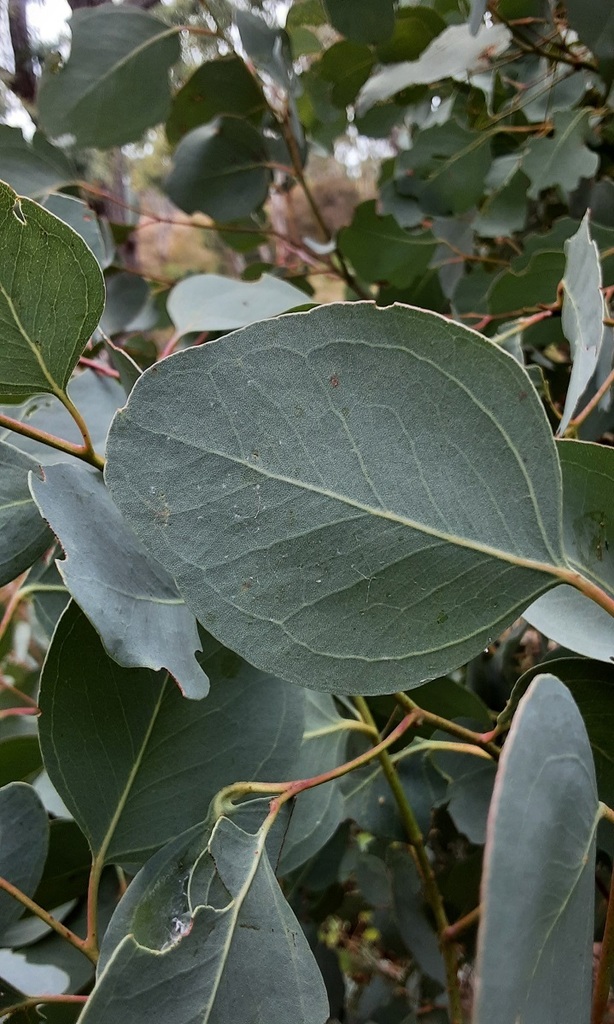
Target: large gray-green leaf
238,954
98,95
317,812
582,315
210,302
23,534
535,939
455,53
130,600
564,159
24,836
51,297
337,483
35,168
120,744
564,614
219,169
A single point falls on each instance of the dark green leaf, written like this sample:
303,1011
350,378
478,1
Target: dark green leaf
594,24
469,791
210,302
362,20
218,87
24,836
534,958
67,866
380,250
51,297
409,912
320,515
118,749
445,169
238,954
414,29
114,51
347,66
592,687
35,168
268,48
126,299
20,758
219,169
23,534
129,598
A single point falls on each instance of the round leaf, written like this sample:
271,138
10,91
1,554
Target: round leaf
337,483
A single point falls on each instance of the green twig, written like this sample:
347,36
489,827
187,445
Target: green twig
476,739
431,889
33,1001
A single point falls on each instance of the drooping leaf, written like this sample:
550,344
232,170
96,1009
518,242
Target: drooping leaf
67,866
380,250
504,210
317,812
32,169
20,758
564,614
414,29
24,836
130,599
218,87
332,549
220,169
126,300
118,749
361,20
210,302
23,534
114,51
582,315
563,159
51,297
455,53
238,954
125,365
534,962
267,48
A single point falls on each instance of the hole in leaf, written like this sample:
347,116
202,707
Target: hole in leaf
18,212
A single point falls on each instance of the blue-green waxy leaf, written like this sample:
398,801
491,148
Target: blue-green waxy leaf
24,836
131,600
32,169
219,169
114,51
582,315
564,159
51,297
229,949
317,812
119,749
210,302
326,518
23,534
455,53
564,614
534,962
